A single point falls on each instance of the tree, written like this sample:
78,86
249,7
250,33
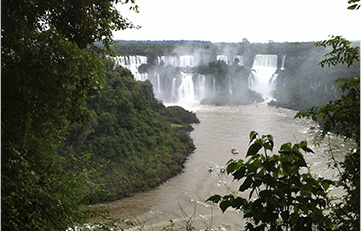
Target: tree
50,66
287,196
342,117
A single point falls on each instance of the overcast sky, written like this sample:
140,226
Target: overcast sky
233,20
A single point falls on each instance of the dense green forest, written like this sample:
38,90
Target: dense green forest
70,123
77,130
142,142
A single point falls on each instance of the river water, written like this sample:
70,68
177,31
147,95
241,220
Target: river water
182,198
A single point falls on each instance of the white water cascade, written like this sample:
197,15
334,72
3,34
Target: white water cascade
187,61
200,87
186,89
156,85
177,61
189,87
283,62
168,60
222,58
263,74
132,63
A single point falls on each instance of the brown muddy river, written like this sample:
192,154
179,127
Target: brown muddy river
221,129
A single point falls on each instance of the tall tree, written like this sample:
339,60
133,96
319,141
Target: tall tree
50,66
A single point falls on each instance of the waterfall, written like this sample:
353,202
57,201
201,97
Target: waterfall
180,86
283,62
222,58
132,63
186,61
214,86
230,85
200,87
175,61
263,74
174,89
186,89
156,84
168,60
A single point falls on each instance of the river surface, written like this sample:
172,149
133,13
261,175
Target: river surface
183,198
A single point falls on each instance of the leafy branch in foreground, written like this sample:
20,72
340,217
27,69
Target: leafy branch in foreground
283,194
342,117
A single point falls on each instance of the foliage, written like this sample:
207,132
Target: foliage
49,68
342,52
288,197
342,117
132,131
179,115
354,5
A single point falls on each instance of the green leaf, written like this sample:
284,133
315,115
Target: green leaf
285,216
304,147
286,147
238,202
270,137
232,167
246,184
265,194
326,184
301,162
352,7
269,145
224,205
253,149
240,173
215,198
252,136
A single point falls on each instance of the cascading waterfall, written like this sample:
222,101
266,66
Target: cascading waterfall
174,89
132,63
200,87
155,80
222,58
230,85
190,87
263,74
175,61
186,89
214,86
283,62
186,61
168,60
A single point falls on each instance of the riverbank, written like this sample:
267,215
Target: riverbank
221,128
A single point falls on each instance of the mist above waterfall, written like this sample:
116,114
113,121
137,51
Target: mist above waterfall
211,76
